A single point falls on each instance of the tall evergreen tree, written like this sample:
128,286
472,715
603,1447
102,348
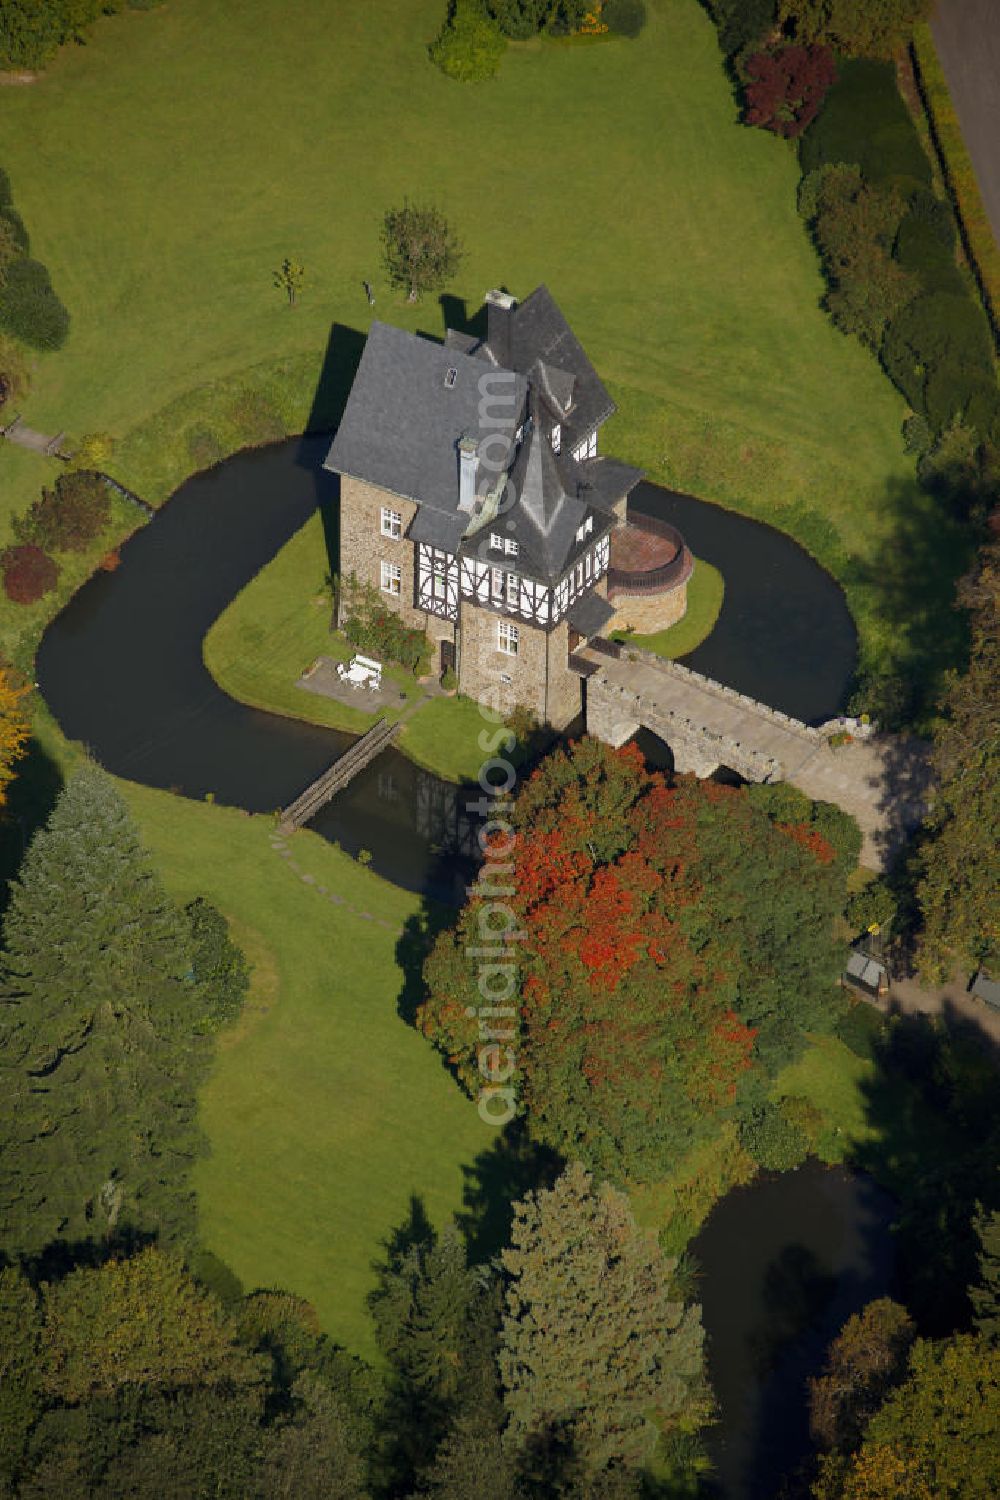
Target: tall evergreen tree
593,1345
20,1369
435,1321
99,1056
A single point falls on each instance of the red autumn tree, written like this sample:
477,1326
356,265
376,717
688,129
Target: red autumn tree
28,573
785,87
649,962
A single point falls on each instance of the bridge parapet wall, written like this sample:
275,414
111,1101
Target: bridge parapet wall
615,713
709,685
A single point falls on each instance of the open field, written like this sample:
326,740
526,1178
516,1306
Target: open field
165,168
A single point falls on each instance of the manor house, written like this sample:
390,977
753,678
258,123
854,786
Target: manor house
475,499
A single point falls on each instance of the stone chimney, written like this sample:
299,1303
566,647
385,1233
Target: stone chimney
499,309
468,469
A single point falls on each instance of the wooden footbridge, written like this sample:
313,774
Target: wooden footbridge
336,777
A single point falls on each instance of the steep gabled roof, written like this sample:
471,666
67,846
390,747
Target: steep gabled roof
406,414
538,331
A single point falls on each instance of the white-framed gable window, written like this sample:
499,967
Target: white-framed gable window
556,437
500,543
586,529
392,523
392,579
508,637
513,590
587,448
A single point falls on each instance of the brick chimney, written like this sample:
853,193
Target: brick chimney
499,308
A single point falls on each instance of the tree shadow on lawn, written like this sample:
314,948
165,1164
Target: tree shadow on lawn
30,799
907,587
512,1166
932,1104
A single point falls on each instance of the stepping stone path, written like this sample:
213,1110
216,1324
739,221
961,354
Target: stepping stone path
280,848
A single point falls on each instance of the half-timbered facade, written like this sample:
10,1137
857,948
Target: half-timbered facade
475,500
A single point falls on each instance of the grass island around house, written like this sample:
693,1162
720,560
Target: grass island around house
297,1159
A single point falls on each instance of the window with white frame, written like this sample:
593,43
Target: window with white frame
585,529
510,546
392,579
439,581
512,589
587,448
508,636
392,523
496,542
556,437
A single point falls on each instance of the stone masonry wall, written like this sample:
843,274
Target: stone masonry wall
539,677
648,613
363,547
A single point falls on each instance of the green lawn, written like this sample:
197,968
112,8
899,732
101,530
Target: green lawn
325,1111
165,169
279,623
706,589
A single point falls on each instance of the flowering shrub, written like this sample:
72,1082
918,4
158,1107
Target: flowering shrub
376,631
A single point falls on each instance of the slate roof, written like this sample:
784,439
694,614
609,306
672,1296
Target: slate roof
402,423
413,400
590,613
539,331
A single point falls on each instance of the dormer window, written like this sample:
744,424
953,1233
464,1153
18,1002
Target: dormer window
585,530
450,377
586,449
557,437
500,543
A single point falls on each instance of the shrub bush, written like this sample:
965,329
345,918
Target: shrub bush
30,309
28,573
219,966
379,632
933,334
743,24
95,450
786,87
67,518
861,1028
865,121
775,1142
624,17
470,46
256,419
204,447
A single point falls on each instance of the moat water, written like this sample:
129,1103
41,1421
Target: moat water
122,669
784,1263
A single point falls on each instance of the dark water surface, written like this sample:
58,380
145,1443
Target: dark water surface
122,670
784,1263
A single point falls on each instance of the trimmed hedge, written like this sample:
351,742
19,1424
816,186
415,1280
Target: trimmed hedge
865,120
29,307
939,353
957,166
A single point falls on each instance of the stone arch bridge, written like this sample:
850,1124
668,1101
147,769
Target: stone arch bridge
882,781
